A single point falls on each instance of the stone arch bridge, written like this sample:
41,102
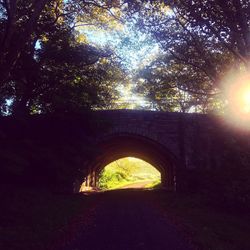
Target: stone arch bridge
172,142
175,143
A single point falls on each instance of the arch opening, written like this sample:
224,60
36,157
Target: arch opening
116,147
127,172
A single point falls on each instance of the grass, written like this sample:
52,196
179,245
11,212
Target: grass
125,182
154,184
30,219
211,227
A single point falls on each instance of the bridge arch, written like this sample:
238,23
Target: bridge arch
116,146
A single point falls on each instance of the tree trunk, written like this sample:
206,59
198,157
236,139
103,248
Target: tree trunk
10,55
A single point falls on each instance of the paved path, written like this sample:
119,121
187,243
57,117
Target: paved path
127,220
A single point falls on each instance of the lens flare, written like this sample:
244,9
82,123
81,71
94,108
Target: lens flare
240,96
246,100
237,89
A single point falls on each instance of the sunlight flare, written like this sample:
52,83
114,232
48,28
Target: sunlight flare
239,95
238,98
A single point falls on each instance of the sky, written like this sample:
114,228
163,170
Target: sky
135,49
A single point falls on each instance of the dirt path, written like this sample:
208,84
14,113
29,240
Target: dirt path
127,220
137,185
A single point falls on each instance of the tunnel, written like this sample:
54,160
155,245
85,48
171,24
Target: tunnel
115,147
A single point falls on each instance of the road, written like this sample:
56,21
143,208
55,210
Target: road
127,220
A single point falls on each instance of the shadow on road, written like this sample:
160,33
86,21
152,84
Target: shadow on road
127,219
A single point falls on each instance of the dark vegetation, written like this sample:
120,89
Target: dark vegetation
227,185
32,218
45,151
209,225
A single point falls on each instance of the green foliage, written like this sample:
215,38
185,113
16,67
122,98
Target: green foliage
199,45
155,184
54,71
127,171
199,42
110,179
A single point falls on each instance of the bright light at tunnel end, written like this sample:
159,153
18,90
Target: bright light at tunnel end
124,173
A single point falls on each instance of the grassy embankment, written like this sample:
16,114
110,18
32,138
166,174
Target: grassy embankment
31,219
209,226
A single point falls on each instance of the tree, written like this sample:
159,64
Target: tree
58,72
77,78
200,40
228,22
18,22
174,86
65,76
